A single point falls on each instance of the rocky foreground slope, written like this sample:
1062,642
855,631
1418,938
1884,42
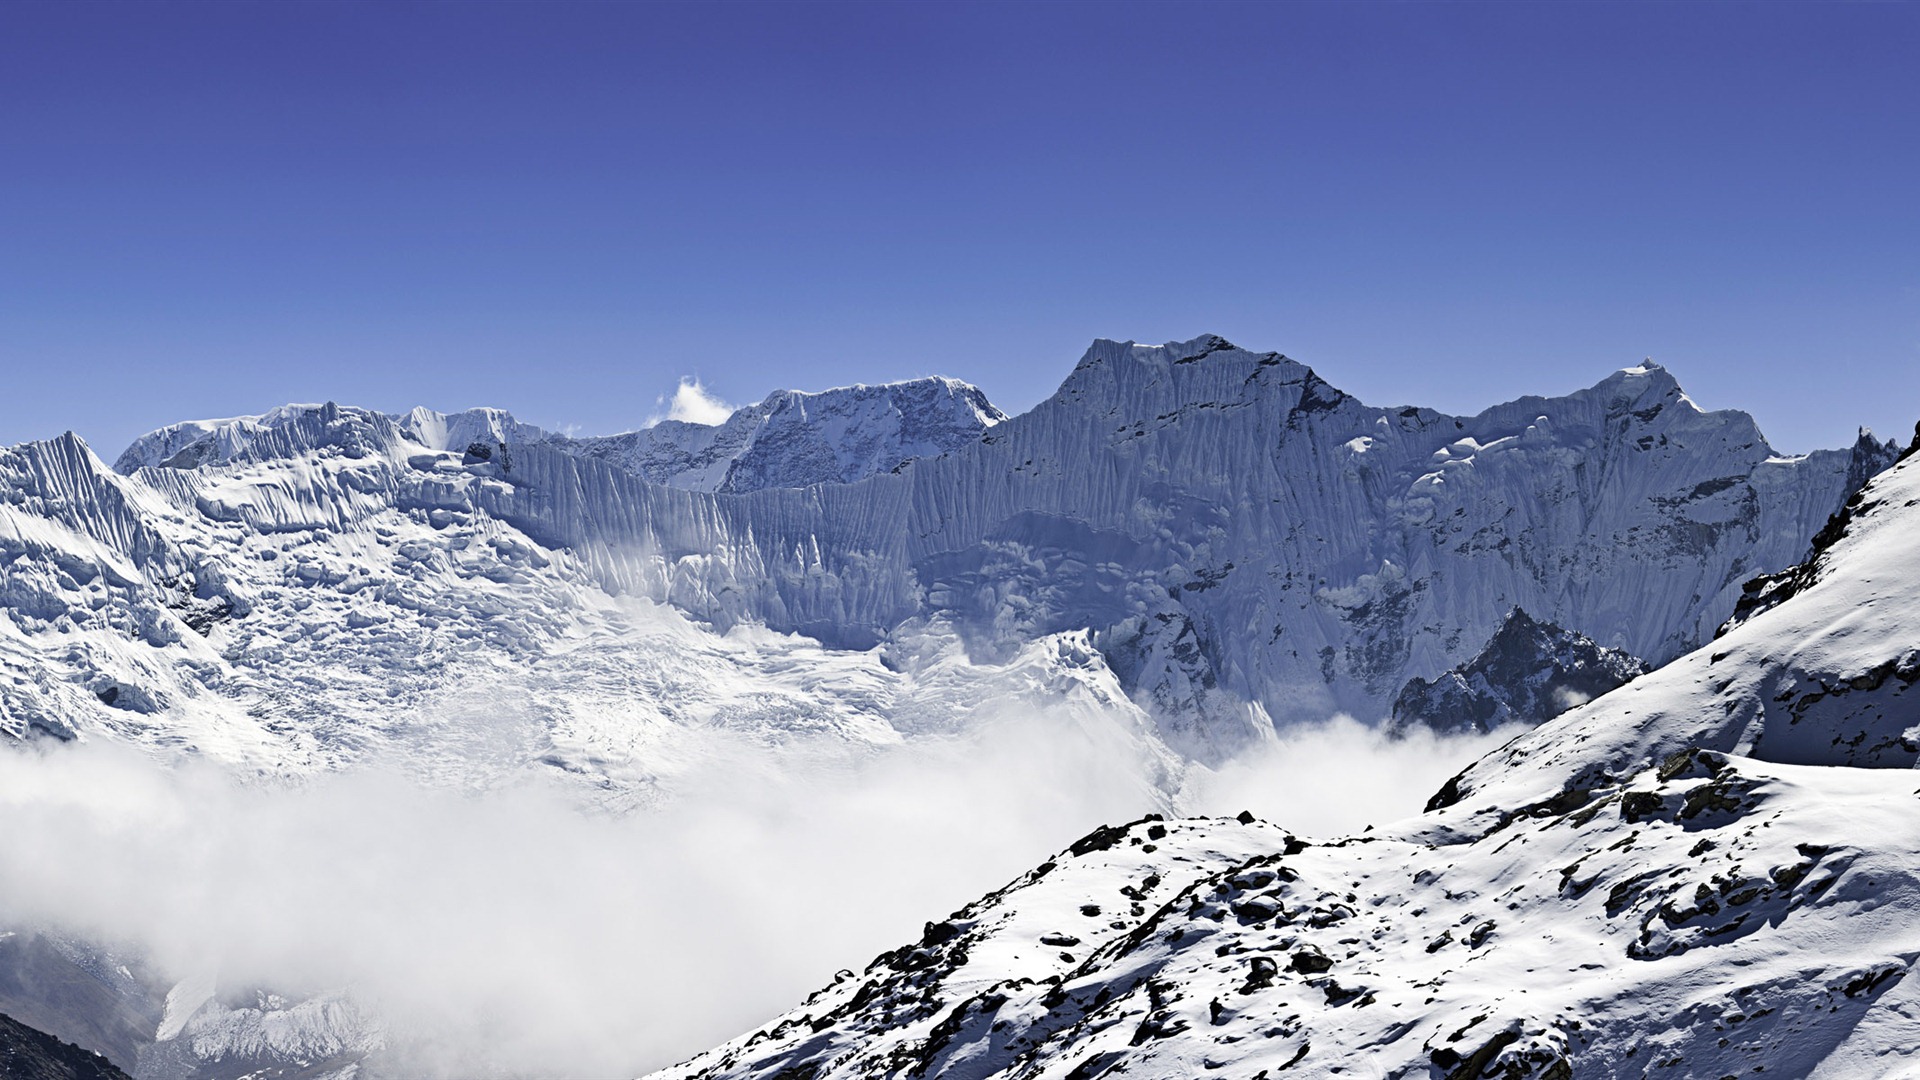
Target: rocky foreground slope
1712,871
30,1054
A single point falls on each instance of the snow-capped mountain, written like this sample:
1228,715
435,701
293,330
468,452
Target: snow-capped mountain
1529,672
792,439
795,439
1184,544
1710,871
1234,538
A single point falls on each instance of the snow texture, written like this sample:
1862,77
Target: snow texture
1709,872
1239,542
1192,540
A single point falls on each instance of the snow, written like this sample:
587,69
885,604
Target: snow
1176,503
1690,873
1185,490
1174,546
186,998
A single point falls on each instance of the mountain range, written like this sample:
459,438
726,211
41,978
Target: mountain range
1195,545
1243,545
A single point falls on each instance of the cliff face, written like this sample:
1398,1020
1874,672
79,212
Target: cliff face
1313,553
1241,540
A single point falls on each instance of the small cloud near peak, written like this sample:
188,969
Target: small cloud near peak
694,404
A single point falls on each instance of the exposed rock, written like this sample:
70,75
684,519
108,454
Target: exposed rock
28,1054
1528,673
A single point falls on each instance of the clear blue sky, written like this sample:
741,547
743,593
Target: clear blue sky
213,208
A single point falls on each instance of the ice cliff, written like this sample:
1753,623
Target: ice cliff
1239,541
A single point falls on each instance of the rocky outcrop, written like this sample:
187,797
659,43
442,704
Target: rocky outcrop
1528,673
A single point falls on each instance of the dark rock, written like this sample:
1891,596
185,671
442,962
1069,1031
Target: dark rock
31,1054
1261,971
1099,839
1529,672
1311,961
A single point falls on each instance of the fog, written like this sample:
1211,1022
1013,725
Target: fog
1338,777
513,933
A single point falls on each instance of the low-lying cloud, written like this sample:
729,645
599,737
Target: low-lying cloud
513,933
1338,777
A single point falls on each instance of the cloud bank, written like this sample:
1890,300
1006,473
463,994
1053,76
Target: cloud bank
1338,777
512,933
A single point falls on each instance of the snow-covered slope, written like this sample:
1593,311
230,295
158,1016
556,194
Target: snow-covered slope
1235,538
1529,672
1712,871
347,605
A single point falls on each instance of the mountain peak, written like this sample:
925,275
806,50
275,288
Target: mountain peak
1642,377
1528,672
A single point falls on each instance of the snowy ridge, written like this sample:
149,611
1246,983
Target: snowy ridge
1237,539
792,439
1693,873
327,1035
337,608
796,439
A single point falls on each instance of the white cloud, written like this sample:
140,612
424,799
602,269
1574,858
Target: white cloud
1338,777
513,933
694,404
1568,698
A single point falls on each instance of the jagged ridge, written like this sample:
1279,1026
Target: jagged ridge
792,439
1529,672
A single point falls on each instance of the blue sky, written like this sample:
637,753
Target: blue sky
215,208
